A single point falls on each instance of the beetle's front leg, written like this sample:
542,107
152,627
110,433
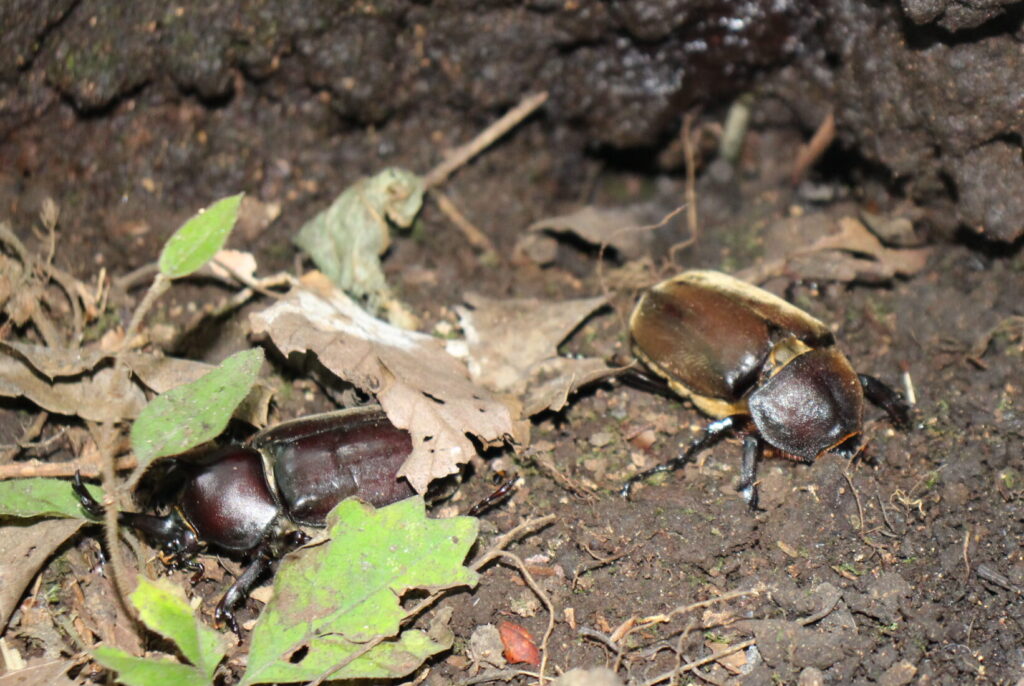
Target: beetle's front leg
886,398
712,433
748,470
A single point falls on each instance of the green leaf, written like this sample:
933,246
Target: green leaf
194,413
332,599
42,498
140,671
164,609
199,239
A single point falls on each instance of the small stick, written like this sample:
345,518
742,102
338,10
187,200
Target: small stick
474,236
464,153
27,436
808,154
528,578
33,468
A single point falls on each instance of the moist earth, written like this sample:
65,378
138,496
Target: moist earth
903,565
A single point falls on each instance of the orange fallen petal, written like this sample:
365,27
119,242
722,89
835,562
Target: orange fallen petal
519,644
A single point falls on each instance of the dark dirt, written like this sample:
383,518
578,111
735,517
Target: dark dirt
133,118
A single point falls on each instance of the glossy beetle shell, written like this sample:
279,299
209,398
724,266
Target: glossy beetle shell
317,462
226,499
733,348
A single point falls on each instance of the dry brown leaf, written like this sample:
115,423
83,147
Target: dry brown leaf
40,673
852,253
54,362
513,348
108,395
421,387
23,551
62,380
618,228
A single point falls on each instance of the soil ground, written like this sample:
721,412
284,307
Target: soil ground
912,550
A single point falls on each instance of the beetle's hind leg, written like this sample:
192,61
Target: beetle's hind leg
712,433
886,398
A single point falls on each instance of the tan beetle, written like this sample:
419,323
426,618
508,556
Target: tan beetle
758,365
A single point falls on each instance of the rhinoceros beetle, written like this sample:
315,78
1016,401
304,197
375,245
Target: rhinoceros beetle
757,364
254,499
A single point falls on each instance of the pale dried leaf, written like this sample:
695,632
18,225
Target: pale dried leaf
238,261
42,673
613,227
421,387
513,348
108,395
54,362
837,250
24,548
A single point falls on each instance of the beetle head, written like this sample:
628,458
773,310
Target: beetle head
814,402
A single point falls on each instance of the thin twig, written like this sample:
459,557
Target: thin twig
692,224
103,435
27,436
690,666
496,675
808,154
464,153
528,578
474,236
159,286
856,497
88,469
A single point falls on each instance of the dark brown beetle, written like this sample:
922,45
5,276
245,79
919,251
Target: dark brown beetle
255,499
758,365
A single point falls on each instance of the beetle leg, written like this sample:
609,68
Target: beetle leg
712,433
264,557
88,503
748,470
506,486
887,399
643,380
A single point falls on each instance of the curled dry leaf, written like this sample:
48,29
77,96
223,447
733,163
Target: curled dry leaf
519,644
73,381
618,228
24,548
513,348
836,250
106,395
421,387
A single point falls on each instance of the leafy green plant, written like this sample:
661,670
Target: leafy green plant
163,609
194,413
199,239
41,497
337,608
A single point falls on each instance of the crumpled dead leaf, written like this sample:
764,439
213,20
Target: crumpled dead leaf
43,671
837,250
24,549
75,381
106,395
422,388
513,348
614,227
